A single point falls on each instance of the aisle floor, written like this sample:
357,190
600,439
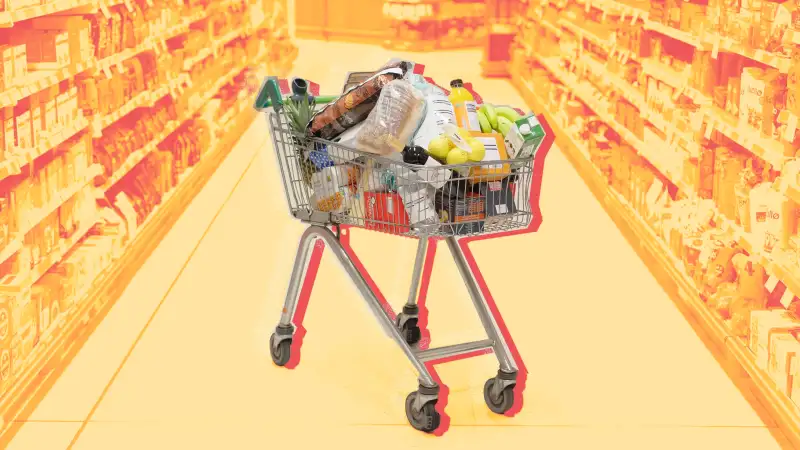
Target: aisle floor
182,362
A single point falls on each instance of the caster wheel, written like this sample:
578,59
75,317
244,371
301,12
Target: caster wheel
427,419
498,404
411,331
280,353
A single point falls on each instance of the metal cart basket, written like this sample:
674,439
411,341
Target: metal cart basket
329,185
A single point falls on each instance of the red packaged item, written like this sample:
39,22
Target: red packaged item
384,211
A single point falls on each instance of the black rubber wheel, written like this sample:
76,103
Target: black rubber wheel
281,353
427,419
411,331
502,403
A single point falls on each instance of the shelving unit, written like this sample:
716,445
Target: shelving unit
258,41
566,67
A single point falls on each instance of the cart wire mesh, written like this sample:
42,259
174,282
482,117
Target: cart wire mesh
329,183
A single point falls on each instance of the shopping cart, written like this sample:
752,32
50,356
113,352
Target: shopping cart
331,187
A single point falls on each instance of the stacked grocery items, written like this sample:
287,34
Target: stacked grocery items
441,158
435,24
100,126
686,111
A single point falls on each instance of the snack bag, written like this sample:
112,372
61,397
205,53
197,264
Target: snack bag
330,186
393,120
351,108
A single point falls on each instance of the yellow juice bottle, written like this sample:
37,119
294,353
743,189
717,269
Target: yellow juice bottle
465,107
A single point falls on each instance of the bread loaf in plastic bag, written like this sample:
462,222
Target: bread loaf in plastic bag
393,121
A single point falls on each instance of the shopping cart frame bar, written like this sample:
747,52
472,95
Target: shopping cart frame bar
418,357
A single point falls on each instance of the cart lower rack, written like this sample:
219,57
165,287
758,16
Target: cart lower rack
331,186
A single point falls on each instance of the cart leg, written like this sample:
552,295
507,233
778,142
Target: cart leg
408,319
312,234
310,248
508,368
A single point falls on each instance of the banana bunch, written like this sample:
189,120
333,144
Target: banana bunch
497,118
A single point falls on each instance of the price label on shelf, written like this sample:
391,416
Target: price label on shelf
710,125
588,6
104,9
714,46
106,70
120,67
696,120
791,128
634,17
787,298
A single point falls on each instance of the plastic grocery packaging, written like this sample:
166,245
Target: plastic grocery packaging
353,107
393,120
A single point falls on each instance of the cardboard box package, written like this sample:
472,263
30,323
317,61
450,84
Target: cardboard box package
784,364
763,324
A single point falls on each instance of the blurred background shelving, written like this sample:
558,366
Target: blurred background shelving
682,119
112,116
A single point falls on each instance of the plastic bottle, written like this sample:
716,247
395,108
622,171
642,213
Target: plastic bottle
465,106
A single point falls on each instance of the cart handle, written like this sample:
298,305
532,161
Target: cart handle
270,96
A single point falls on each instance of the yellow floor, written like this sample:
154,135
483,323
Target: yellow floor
184,364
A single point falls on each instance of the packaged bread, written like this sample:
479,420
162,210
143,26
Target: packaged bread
393,120
351,108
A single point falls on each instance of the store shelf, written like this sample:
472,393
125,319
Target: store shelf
39,80
47,263
674,78
673,33
637,99
13,246
78,324
215,46
14,164
138,156
730,351
61,341
745,135
9,18
585,34
595,101
143,99
724,44
775,264
58,199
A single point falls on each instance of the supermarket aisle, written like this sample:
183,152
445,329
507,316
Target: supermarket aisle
613,363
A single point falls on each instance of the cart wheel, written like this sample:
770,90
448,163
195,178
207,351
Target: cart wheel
498,404
411,331
427,419
280,353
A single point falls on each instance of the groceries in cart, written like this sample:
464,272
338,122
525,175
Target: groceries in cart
398,153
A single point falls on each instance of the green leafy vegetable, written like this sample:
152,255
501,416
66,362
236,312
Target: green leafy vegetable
300,113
